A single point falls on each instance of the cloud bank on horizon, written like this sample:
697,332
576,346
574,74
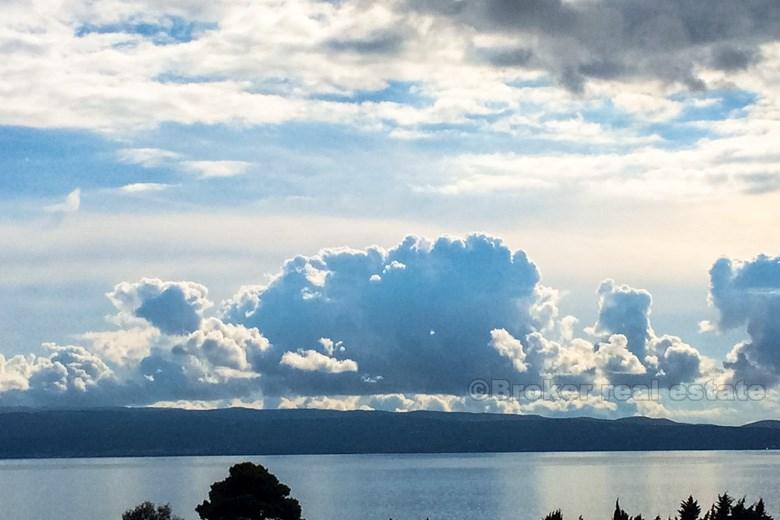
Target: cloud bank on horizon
406,328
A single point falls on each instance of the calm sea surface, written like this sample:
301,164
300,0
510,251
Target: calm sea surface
403,487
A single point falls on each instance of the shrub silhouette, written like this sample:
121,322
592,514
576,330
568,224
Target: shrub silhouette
250,492
148,511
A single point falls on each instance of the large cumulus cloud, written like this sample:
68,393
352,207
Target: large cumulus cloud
415,318
748,294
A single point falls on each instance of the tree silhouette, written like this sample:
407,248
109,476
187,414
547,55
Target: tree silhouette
148,511
689,509
619,514
724,509
250,492
760,508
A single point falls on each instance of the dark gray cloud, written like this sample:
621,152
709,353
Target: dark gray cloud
729,58
748,294
664,40
381,43
505,56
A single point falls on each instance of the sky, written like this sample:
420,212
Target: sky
355,204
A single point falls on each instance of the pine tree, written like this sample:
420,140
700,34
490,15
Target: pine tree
761,509
619,514
723,507
689,509
739,511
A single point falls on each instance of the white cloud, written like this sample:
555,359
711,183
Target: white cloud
313,361
126,346
59,74
713,168
144,187
164,349
147,157
71,204
509,347
14,373
208,169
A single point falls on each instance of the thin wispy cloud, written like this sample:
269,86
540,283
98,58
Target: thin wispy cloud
144,187
211,169
147,157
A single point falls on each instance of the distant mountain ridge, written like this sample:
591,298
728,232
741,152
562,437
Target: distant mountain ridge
768,423
136,432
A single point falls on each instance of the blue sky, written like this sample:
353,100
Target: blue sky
211,143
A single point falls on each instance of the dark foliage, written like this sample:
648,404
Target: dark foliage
148,511
620,514
724,509
250,492
555,515
689,509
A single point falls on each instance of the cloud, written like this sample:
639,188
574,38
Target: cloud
143,187
471,59
147,157
313,361
730,58
568,360
666,41
382,304
226,345
624,311
739,160
68,368
71,204
509,347
402,328
614,357
213,362
126,346
747,293
387,43
209,169
156,157
173,307
14,373
632,347
66,376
